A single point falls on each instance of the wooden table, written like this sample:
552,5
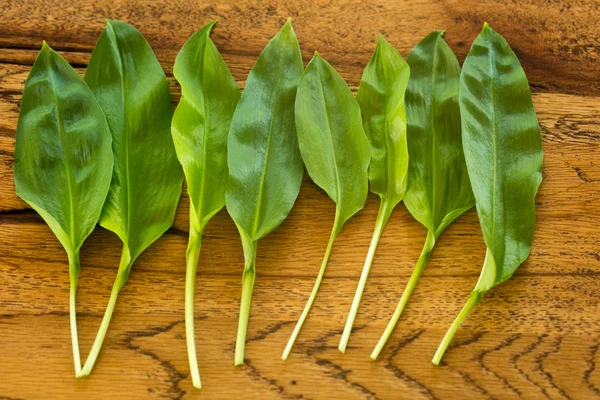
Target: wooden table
536,336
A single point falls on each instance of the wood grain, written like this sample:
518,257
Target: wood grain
537,336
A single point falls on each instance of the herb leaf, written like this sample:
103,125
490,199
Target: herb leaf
265,166
438,184
335,151
132,89
503,150
63,159
200,127
381,99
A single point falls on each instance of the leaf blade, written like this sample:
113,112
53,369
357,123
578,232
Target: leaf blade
381,97
201,122
132,89
62,150
332,141
262,147
502,142
438,180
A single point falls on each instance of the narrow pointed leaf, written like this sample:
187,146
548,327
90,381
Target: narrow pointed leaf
381,98
335,151
503,149
63,158
265,166
132,89
438,183
200,128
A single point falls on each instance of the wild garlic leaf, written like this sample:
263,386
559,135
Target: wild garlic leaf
503,149
438,184
132,89
265,166
335,151
63,159
200,128
381,99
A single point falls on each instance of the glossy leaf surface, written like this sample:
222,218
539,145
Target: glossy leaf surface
335,151
265,166
503,150
200,128
332,140
132,89
201,123
438,184
63,158
381,99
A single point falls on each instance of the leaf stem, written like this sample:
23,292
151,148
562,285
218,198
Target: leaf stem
74,270
474,299
313,294
248,278
382,218
192,254
412,282
120,280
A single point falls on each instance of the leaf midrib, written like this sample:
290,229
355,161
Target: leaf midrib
495,135
66,158
433,128
335,163
257,214
204,140
124,99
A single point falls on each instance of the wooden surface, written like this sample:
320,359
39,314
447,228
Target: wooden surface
537,336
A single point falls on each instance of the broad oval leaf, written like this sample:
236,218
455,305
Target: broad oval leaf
438,183
503,149
200,127
201,123
335,151
438,189
265,166
332,140
381,99
63,158
133,92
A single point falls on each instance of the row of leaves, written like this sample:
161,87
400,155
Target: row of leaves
109,149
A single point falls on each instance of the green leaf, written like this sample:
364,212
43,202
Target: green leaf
63,158
200,127
335,151
438,184
265,166
381,99
132,89
503,149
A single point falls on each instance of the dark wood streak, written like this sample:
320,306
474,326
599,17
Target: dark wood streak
399,373
272,383
540,367
338,372
588,372
505,343
529,349
174,376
